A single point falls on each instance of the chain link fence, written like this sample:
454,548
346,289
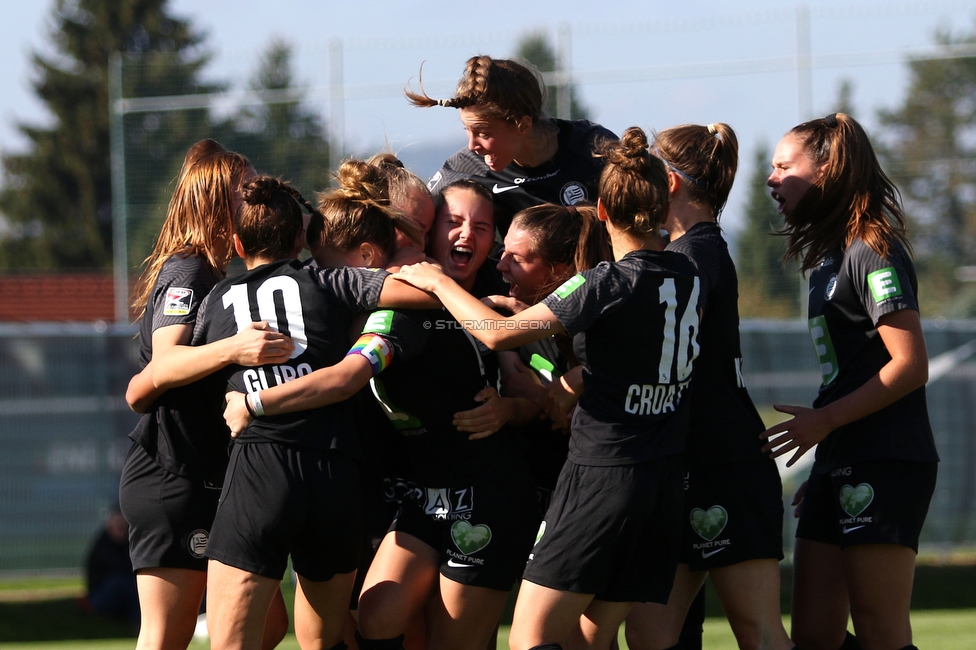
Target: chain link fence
65,426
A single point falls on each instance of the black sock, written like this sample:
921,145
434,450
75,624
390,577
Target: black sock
340,646
850,642
395,643
547,646
910,647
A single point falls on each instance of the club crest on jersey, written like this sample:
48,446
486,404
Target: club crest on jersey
831,287
572,193
569,286
884,284
178,301
196,543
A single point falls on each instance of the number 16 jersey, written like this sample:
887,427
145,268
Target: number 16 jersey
634,324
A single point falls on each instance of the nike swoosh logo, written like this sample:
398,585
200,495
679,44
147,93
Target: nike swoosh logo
853,528
711,553
457,565
499,190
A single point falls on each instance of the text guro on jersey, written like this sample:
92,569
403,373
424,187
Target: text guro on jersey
256,379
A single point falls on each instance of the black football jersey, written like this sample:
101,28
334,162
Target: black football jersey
315,307
183,430
436,371
724,424
546,450
635,325
849,293
570,176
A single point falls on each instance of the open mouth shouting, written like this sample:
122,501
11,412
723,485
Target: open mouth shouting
461,255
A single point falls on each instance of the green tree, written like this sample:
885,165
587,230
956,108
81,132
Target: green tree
281,137
535,48
928,150
766,288
57,196
845,98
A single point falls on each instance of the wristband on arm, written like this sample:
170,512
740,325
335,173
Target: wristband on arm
253,404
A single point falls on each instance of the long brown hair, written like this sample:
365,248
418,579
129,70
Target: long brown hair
199,219
498,88
852,199
634,184
706,156
570,235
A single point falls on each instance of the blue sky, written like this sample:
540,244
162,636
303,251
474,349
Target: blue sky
612,44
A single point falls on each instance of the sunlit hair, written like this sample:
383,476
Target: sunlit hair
358,211
634,184
571,235
705,157
402,185
496,88
852,199
269,221
199,219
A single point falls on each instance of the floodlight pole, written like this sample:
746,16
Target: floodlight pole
804,74
120,261
336,103
563,68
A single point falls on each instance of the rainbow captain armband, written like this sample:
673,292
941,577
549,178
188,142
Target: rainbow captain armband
375,349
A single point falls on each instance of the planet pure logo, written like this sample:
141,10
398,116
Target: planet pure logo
855,499
470,539
709,524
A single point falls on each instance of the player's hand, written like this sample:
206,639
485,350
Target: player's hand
509,303
521,381
258,344
424,275
492,415
806,429
561,401
235,413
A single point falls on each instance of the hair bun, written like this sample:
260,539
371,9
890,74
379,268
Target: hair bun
630,152
361,181
634,142
258,191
